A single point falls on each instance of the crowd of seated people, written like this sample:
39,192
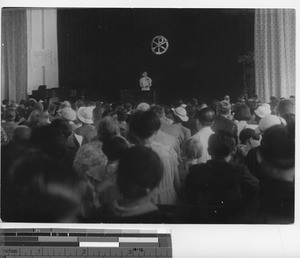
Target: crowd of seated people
197,162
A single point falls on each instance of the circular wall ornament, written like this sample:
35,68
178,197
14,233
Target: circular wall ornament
159,45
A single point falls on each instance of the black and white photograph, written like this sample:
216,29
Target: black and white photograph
148,115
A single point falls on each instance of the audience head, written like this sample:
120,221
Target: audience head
128,107
285,106
143,107
41,190
85,114
114,147
227,98
65,104
21,133
61,127
139,172
267,122
289,118
143,125
249,137
53,107
10,114
167,110
107,127
67,113
205,117
121,113
223,108
262,111
38,106
242,112
158,110
277,150
37,119
180,114
222,145
191,149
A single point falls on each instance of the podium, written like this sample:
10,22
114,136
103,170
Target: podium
137,96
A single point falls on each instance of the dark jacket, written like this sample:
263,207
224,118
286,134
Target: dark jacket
219,183
273,204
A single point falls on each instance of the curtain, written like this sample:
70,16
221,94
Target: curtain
14,54
275,53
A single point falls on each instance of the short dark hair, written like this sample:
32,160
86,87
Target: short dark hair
285,106
277,146
144,124
114,147
107,127
10,114
221,144
140,168
157,109
206,116
242,112
246,134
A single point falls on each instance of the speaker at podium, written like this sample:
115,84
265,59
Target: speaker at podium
137,96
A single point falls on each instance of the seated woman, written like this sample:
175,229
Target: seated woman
139,173
104,177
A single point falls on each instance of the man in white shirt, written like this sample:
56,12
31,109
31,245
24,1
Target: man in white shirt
204,119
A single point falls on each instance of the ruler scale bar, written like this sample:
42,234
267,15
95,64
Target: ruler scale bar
84,243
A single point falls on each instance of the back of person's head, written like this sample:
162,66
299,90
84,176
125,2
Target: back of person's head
223,107
108,111
221,144
242,112
62,127
285,106
107,127
139,172
121,113
40,190
38,106
21,133
277,147
10,114
114,147
143,125
5,102
128,106
191,149
252,105
167,109
289,118
36,119
52,139
158,110
206,116
247,134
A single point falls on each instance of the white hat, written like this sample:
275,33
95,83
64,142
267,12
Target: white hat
67,113
183,105
143,106
269,121
263,110
85,114
181,113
